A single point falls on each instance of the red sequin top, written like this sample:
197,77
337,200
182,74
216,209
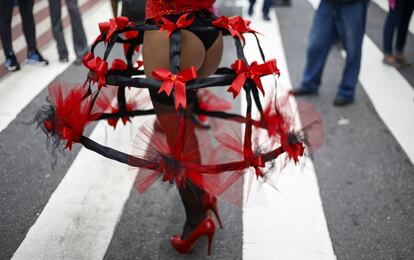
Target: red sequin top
156,8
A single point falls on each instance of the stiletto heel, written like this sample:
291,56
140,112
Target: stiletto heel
205,228
210,242
210,203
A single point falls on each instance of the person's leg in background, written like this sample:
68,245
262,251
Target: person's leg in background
57,29
266,9
29,29
5,25
78,32
251,7
390,26
351,28
11,63
321,38
405,17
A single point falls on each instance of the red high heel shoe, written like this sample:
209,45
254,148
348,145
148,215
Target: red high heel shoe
205,228
210,203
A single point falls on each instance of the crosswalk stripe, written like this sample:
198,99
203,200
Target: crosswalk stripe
390,93
278,230
19,88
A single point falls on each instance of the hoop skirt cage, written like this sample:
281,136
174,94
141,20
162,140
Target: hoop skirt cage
226,154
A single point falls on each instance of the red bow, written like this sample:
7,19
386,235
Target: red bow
100,67
235,25
184,21
254,72
87,58
131,35
176,81
112,26
119,64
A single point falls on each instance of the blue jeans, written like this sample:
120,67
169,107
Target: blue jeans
266,5
345,22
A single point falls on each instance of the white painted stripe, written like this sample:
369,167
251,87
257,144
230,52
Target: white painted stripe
80,217
19,88
291,224
384,5
44,26
314,3
390,93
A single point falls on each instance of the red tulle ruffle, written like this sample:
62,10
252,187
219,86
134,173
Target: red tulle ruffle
72,111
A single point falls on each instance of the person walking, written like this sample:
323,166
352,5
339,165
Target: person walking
29,30
78,33
343,19
398,20
266,8
198,161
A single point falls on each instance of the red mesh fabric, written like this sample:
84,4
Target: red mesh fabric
152,144
72,112
157,8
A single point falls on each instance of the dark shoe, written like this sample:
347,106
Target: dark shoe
34,58
266,17
11,63
302,92
250,11
341,101
400,61
64,59
389,60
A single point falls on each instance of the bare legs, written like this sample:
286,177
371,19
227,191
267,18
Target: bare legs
193,53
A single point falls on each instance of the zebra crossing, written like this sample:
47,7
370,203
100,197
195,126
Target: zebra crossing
86,208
